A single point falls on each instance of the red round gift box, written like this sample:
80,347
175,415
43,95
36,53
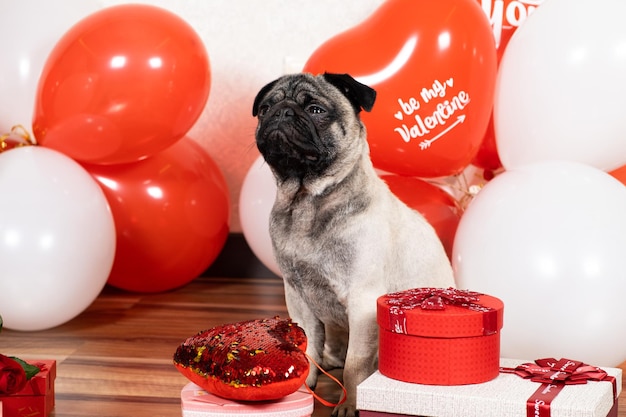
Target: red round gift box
456,343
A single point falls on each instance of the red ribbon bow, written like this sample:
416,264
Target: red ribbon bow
436,299
562,371
554,375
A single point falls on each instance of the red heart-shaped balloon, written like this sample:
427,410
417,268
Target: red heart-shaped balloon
252,360
433,65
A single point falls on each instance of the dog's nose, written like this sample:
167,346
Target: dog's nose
284,113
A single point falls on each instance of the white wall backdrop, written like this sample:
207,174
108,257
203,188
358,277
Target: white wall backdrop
249,44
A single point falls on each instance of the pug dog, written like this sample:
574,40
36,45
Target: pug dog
340,237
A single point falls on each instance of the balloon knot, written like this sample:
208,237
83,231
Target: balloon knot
17,137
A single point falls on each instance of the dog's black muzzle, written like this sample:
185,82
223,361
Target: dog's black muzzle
289,141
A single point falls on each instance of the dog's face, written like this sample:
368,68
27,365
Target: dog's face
308,124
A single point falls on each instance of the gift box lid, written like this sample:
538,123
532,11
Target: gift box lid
441,313
505,395
196,402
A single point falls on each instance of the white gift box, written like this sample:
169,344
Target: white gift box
506,395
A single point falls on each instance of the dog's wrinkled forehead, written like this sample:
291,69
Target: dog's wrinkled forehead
303,89
326,89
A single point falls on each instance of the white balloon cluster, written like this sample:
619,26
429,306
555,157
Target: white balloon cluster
57,236
548,236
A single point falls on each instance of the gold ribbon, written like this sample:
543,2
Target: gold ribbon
17,137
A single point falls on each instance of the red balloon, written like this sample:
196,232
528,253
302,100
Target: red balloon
505,17
171,214
433,64
438,207
487,156
619,174
122,84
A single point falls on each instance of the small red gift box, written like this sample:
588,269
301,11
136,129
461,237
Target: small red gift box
439,336
36,398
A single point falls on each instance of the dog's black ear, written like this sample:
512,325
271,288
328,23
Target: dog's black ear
360,95
260,96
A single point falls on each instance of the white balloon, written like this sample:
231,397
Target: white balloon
258,193
549,240
30,29
560,86
57,238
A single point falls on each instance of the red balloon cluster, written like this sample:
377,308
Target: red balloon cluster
118,93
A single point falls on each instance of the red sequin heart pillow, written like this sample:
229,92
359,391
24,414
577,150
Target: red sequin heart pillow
250,361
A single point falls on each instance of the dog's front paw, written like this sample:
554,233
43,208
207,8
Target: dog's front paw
345,410
311,380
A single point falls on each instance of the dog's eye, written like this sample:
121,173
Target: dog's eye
263,109
315,109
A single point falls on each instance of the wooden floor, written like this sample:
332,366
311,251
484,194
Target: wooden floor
115,359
